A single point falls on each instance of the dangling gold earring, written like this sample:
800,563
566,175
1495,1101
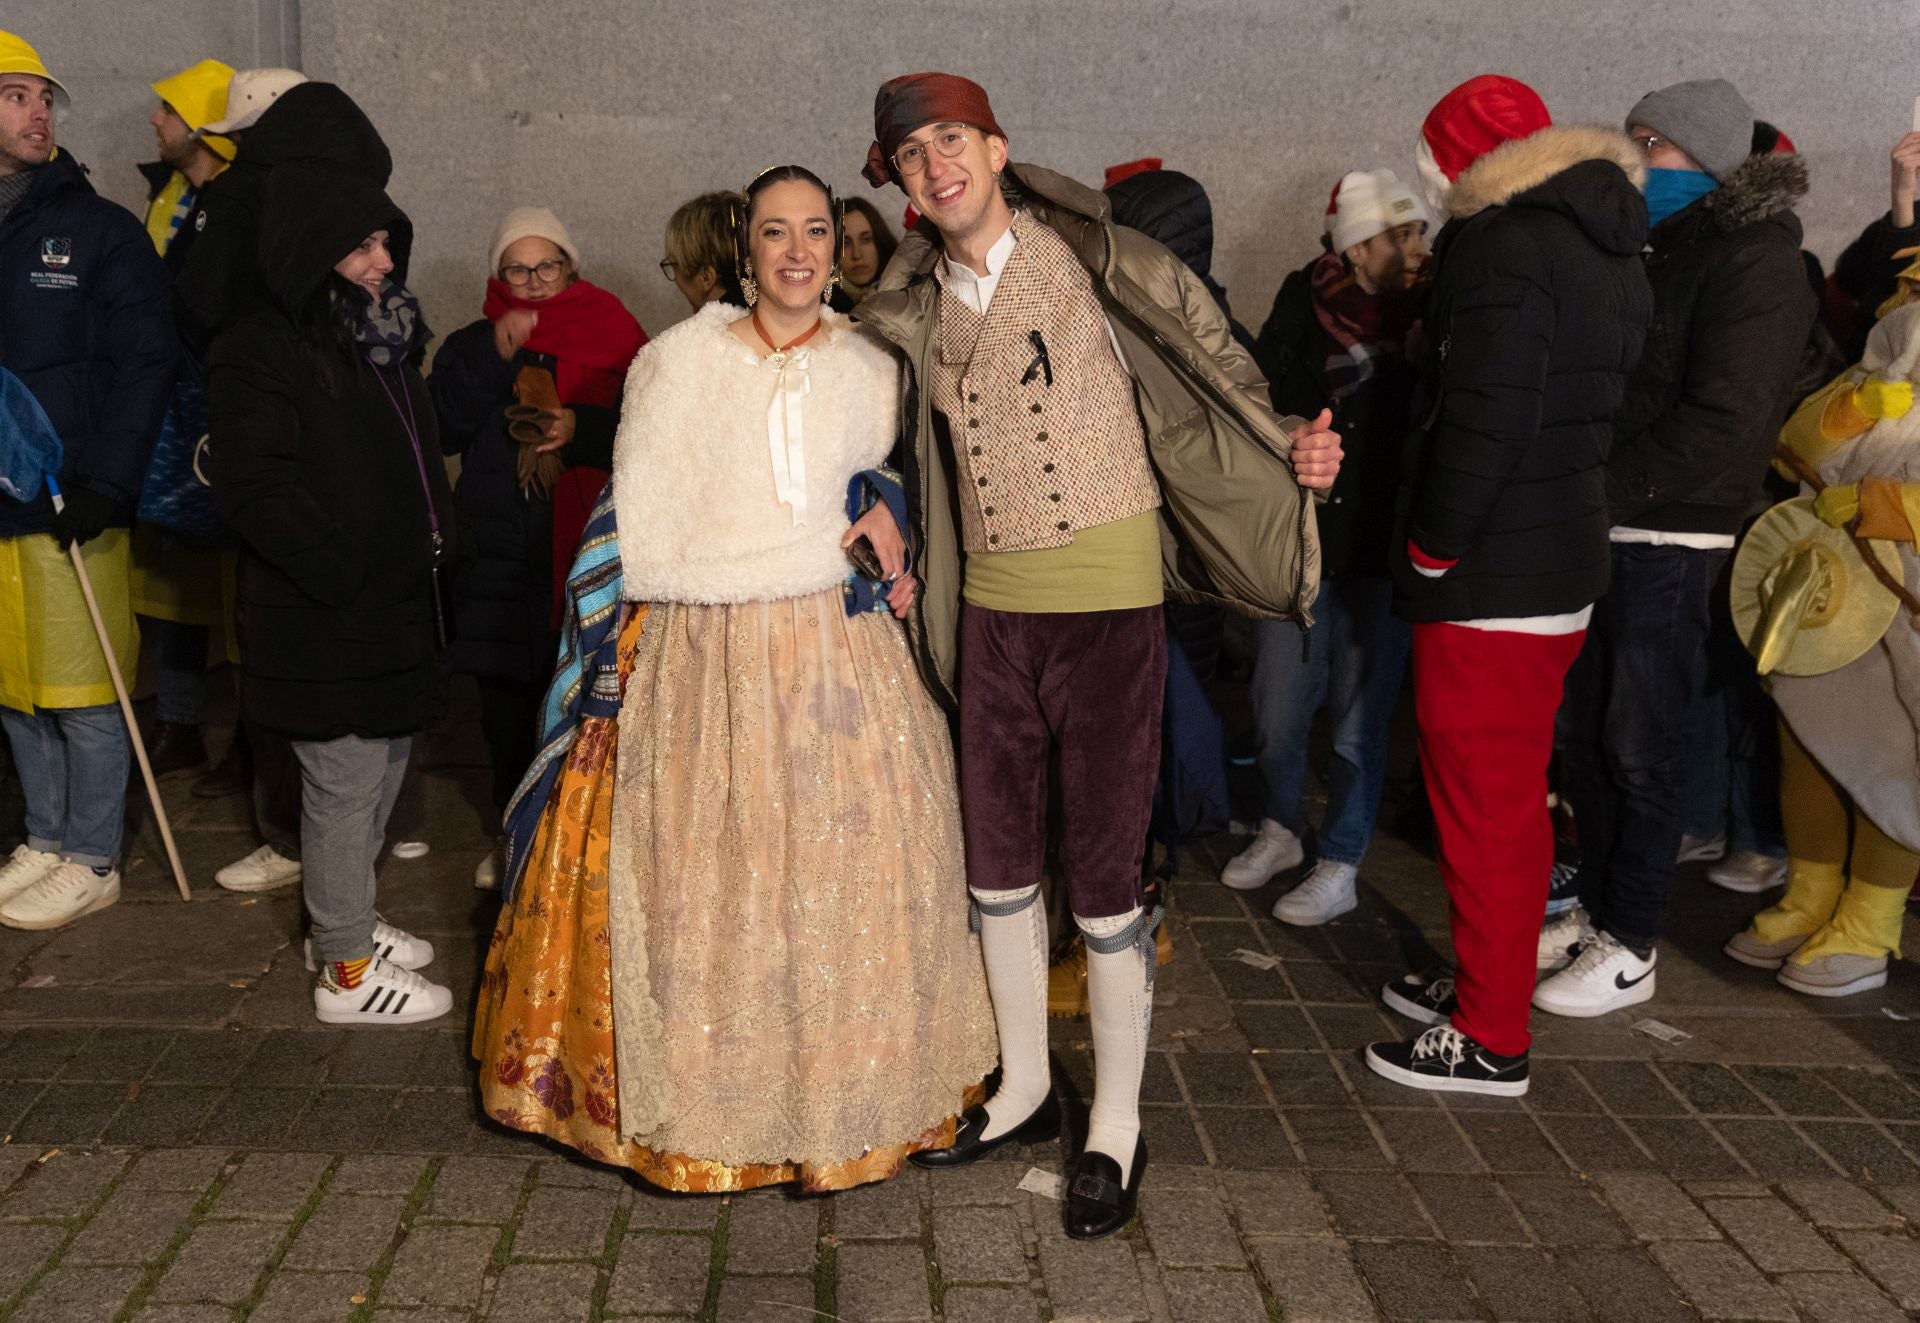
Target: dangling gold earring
750,288
833,279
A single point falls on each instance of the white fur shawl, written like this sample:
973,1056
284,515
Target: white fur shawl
693,475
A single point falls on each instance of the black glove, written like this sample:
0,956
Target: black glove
87,515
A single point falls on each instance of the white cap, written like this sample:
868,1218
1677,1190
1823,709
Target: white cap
530,223
249,95
1370,202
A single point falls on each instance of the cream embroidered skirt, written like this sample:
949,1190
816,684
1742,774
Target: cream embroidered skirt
793,979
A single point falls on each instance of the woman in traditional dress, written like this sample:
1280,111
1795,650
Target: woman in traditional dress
739,954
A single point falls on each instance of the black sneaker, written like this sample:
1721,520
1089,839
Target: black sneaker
1427,997
1443,1058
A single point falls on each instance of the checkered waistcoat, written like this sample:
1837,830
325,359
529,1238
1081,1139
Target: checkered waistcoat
1038,461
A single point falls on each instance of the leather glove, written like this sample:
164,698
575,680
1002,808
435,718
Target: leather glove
87,515
1879,399
534,389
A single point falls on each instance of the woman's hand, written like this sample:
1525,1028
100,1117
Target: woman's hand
900,596
559,433
878,528
1906,167
513,330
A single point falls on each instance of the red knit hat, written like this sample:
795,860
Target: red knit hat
1478,116
905,103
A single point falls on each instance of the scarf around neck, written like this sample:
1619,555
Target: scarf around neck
588,331
1360,327
390,329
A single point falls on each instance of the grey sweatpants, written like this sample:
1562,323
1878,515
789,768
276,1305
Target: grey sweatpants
347,790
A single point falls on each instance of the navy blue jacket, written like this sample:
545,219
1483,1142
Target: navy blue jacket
86,321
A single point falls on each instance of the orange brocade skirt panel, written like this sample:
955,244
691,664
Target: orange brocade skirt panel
543,1029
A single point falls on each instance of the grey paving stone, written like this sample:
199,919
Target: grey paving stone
184,1314
289,1057
1304,1079
1206,1295
984,1244
14,1161
1469,1209
70,1114
65,1185
427,1121
270,1185
550,1292
1247,1138
1267,1203
248,1117
133,1226
1222,1079
1189,1229
883,1282
1171,1137
981,1183
1836,1298
1654,1208
1336,1137
119,1053
660,1274
1795,1091
1686,1149
1775,1150
1277,1027
1713,1089
1427,1141
574,1173
889,1210
1904,1197
1562,1210
220,1262
368,1173
24,1248
162,1114
1880,1094
1510,1142
376,1057
1556,1087
762,1299
208,1056
338,1119
347,1231
73,1295
1630,1088
1837,1203
1891,1259
1366,1203
1623,1286
477,1189
990,1304
1720,1283
440,1265
1594,1143
1862,1150
1091,1281
771,1233
40,1052
656,1210
1521,1284
1415,1280
1774,1236
565,1224
310,1297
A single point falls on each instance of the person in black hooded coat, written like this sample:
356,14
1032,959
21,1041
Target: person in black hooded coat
326,461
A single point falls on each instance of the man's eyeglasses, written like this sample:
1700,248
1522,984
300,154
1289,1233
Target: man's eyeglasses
1646,142
911,159
548,271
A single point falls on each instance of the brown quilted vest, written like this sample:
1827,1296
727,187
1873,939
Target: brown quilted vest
1037,460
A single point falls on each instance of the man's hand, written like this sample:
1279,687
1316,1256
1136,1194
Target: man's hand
559,433
84,517
900,596
1317,453
513,330
878,528
1906,167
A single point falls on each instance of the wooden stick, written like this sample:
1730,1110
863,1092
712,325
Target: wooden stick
133,727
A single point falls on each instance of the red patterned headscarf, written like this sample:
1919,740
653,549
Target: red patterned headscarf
906,103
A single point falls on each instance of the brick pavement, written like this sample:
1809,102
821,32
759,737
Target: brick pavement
184,1144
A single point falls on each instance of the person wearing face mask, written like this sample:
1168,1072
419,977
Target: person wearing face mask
699,243
528,396
326,462
1691,448
867,248
1338,338
735,948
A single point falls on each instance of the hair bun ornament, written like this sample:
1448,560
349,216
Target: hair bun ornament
878,171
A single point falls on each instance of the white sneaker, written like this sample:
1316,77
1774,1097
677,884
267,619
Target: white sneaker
1604,977
387,994
1748,871
1327,893
70,891
394,945
1274,850
263,870
26,867
1696,849
486,873
1561,939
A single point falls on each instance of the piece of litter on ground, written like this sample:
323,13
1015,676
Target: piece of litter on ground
1666,1033
411,850
1892,1014
1044,1184
46,1157
37,981
357,1298
1258,959
238,983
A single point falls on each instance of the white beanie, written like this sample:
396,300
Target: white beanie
1370,202
530,223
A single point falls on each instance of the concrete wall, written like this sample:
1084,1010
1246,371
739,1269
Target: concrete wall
614,111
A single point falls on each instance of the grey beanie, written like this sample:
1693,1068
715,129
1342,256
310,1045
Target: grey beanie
1707,119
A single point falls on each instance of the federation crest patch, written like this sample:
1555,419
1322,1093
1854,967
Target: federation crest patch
56,254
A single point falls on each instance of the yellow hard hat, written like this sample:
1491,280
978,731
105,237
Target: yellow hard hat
16,57
199,96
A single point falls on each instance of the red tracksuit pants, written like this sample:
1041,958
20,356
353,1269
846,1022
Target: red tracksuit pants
1486,700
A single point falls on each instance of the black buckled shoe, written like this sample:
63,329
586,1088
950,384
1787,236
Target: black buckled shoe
1043,1126
1097,1205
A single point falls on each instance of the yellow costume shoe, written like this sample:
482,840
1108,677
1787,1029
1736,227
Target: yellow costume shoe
1850,953
1067,980
1813,893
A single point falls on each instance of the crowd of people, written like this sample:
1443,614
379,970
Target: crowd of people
813,635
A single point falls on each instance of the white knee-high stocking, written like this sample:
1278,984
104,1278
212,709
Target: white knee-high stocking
1120,994
1013,944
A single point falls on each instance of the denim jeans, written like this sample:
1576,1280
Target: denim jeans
1733,734
179,669
73,765
1625,750
1356,656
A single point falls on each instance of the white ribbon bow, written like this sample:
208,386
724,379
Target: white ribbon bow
786,433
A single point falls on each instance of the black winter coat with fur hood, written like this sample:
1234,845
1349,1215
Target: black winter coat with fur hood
1731,312
1538,311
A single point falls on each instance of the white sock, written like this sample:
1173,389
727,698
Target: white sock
1120,996
1013,944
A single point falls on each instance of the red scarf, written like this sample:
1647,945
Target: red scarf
1359,327
593,339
